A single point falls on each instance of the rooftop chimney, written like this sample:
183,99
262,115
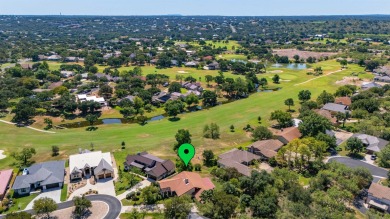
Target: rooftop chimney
186,181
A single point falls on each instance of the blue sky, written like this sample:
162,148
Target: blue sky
194,7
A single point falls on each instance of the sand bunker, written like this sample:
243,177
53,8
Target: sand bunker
275,71
182,72
2,156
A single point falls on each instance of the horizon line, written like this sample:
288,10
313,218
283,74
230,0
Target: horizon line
182,15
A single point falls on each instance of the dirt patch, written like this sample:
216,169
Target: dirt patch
302,54
2,155
266,167
143,135
182,72
350,80
99,210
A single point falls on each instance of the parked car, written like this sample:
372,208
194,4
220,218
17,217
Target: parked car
373,157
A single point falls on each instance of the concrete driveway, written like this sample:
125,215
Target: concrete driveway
103,186
377,172
55,194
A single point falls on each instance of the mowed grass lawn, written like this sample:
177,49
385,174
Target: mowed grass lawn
158,137
221,43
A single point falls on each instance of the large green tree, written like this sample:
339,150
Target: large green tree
177,207
313,124
173,107
289,102
284,119
23,157
354,145
182,136
44,206
261,133
325,98
304,95
82,206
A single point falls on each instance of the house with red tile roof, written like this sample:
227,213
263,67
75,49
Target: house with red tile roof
343,100
286,135
327,114
266,149
185,183
5,178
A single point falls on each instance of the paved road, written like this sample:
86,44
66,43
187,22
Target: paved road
375,171
113,203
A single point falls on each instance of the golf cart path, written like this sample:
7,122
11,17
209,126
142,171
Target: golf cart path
29,127
319,77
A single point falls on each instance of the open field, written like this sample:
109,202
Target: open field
158,136
217,44
233,56
302,54
325,40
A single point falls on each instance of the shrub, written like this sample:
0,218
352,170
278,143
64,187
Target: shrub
198,167
272,162
130,195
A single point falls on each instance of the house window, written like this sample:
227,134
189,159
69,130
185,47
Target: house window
24,190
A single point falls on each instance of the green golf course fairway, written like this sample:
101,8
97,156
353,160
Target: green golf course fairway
158,137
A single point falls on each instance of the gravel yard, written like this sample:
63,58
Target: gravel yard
98,211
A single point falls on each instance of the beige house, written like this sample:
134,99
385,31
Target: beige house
378,197
89,164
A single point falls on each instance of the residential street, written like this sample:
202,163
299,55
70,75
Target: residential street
113,203
377,172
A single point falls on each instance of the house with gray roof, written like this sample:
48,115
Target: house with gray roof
373,144
366,86
238,159
335,108
154,167
383,78
41,176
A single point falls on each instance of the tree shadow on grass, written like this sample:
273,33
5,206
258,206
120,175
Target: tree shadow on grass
174,119
92,128
356,156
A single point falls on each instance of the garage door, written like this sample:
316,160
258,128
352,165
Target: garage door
108,175
54,185
101,176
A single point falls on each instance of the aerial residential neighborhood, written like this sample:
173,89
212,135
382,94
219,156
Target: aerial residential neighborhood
194,109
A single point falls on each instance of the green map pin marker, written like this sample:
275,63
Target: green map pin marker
186,152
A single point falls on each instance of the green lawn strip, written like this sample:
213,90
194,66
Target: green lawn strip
158,137
64,193
147,216
21,203
122,184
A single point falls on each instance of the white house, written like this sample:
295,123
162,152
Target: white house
84,97
88,164
67,74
